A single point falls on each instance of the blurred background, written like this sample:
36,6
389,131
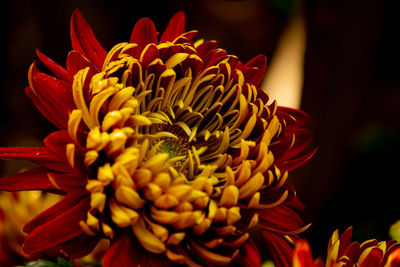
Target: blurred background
341,57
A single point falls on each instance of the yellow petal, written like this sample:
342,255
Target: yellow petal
129,197
230,196
122,216
148,240
251,186
142,177
98,201
166,201
176,238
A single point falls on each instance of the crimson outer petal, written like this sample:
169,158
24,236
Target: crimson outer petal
302,256
63,227
33,179
84,41
175,28
281,250
124,252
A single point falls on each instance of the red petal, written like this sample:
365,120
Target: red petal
124,251
57,229
296,162
249,255
281,250
57,209
143,33
59,71
38,155
302,255
175,27
76,62
55,95
84,41
61,124
56,143
281,219
293,116
373,259
70,183
33,179
254,70
86,244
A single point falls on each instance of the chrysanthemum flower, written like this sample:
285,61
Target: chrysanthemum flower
343,253
166,147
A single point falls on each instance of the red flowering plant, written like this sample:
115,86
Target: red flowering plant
166,147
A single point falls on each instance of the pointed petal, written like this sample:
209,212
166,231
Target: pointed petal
56,143
124,251
53,118
280,249
76,62
249,255
254,70
281,219
38,155
59,229
302,256
57,209
84,41
292,164
33,179
55,94
59,71
175,27
86,244
143,33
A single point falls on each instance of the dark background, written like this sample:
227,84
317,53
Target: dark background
351,88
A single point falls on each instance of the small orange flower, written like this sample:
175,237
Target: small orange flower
342,253
166,147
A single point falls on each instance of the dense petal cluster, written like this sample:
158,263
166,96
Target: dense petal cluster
342,252
165,146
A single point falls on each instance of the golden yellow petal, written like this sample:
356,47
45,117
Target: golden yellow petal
156,162
202,227
166,201
243,173
175,60
148,240
70,153
158,230
86,228
105,174
180,191
73,124
164,217
142,177
98,201
90,157
230,196
110,119
92,221
174,257
107,230
77,92
152,191
211,256
121,97
122,216
129,197
213,243
176,238
163,180
251,186
233,215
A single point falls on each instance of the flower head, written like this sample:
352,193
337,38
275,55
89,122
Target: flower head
166,147
341,252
